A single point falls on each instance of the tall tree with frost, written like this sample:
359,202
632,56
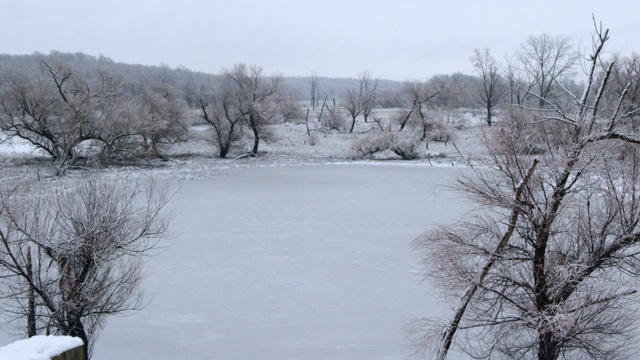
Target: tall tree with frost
253,94
71,253
548,267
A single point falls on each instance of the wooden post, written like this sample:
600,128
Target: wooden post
73,354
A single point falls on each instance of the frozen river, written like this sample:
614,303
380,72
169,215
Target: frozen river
304,262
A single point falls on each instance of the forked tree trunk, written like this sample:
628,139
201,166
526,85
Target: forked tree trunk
223,152
353,123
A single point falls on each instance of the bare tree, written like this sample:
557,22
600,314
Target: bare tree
253,94
493,89
226,119
626,77
162,117
548,266
361,100
353,104
546,61
59,109
71,256
62,104
368,93
419,94
314,90
520,82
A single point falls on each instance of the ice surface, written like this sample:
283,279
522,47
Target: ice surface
307,262
39,347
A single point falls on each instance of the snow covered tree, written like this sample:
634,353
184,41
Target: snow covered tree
161,116
626,77
547,267
419,93
58,108
252,95
218,110
71,252
57,104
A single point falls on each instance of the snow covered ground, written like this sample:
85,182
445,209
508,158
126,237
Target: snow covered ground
307,262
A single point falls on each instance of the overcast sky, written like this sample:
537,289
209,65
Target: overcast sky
396,39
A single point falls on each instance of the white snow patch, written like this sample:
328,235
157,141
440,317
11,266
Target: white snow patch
39,347
15,146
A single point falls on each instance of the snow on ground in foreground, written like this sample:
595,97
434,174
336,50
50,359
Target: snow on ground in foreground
39,347
308,262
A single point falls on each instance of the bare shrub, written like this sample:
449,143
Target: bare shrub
405,145
402,144
370,144
333,118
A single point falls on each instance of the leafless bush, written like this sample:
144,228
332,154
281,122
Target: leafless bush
402,144
332,118
369,144
405,145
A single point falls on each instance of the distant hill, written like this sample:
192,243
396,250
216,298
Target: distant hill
139,75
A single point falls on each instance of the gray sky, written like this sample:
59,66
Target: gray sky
398,39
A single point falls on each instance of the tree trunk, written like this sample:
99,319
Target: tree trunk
353,123
256,135
223,152
424,132
406,120
547,346
31,311
489,121
76,329
306,122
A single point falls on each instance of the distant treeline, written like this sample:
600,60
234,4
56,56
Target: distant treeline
62,102
138,76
